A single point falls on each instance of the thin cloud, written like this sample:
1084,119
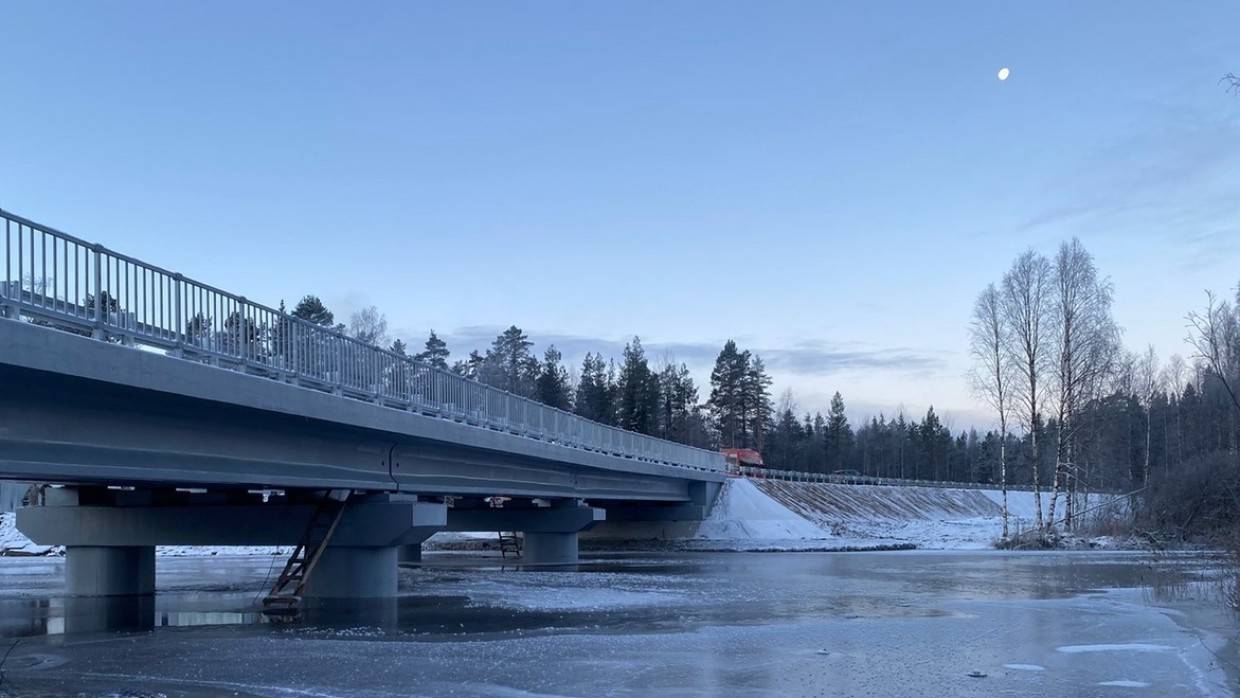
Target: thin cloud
806,357
1148,176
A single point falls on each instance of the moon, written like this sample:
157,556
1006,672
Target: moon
1003,74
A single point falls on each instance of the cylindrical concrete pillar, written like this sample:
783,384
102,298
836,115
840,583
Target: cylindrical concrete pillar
354,573
409,553
109,570
550,548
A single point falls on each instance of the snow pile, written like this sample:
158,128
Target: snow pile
745,512
12,542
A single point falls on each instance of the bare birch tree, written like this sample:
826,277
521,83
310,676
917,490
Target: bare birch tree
1026,295
1215,335
1085,340
992,373
1147,386
1175,375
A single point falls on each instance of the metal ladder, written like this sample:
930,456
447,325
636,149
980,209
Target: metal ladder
284,599
509,543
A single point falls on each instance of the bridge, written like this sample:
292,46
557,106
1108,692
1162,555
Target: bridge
169,412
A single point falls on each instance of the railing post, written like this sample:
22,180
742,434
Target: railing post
99,332
339,364
242,334
176,314
288,335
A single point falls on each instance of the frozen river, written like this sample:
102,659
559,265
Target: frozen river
854,624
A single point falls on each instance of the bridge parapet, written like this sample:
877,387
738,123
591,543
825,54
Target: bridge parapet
51,278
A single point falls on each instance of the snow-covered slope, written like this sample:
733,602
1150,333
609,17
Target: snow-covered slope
928,517
743,511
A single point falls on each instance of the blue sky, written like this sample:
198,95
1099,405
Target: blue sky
830,184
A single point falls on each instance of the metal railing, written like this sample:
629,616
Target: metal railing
845,479
52,278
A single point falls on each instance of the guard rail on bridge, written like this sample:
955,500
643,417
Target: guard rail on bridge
55,279
843,479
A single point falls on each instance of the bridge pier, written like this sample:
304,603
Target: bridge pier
109,570
550,527
110,535
550,548
352,572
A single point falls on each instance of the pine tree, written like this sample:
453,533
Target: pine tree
436,352
552,384
726,387
508,364
398,348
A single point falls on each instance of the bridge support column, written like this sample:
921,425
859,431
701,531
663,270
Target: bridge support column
354,573
550,548
550,528
109,570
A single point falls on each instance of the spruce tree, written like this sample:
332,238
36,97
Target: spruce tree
595,397
677,400
757,401
839,434
552,384
312,310
639,391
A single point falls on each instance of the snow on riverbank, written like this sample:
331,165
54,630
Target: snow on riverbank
12,542
774,514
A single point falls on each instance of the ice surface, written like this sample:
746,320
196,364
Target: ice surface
1127,647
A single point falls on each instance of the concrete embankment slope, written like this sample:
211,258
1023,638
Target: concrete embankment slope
774,514
927,517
